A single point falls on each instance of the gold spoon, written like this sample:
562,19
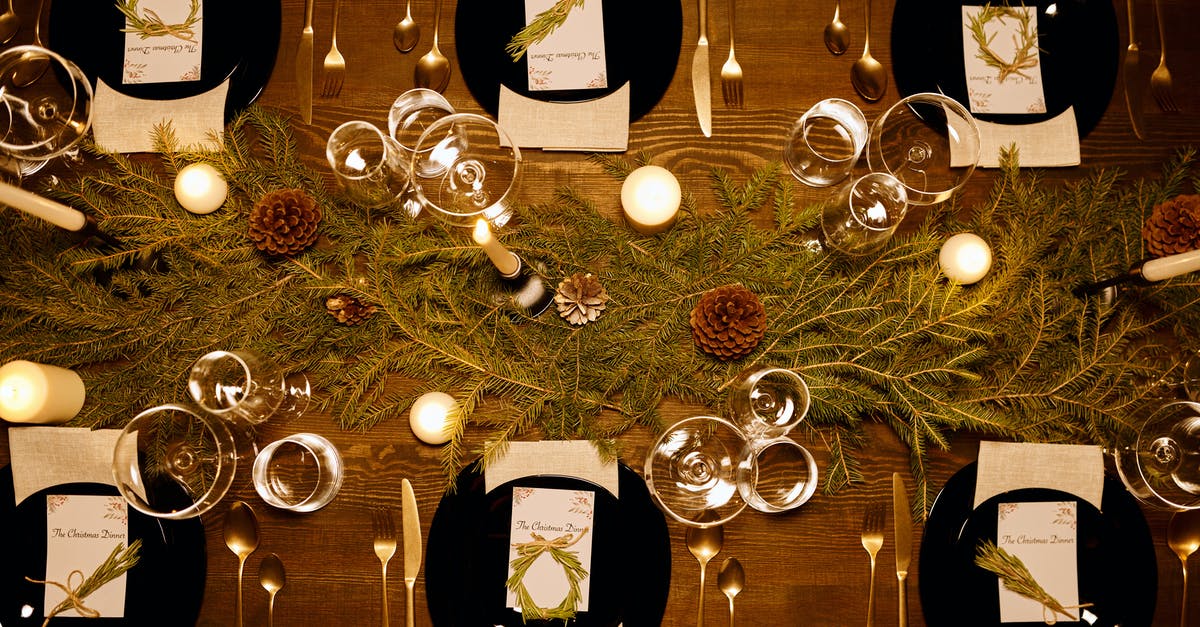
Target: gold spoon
433,69
704,543
837,35
10,23
407,32
731,579
868,76
1183,536
241,536
272,578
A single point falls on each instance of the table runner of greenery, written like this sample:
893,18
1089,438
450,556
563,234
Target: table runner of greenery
883,338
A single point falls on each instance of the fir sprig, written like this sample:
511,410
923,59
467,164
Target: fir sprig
540,27
1016,577
116,564
148,24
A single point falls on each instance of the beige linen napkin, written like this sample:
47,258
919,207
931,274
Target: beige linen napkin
42,457
1052,143
121,123
600,125
566,458
1005,466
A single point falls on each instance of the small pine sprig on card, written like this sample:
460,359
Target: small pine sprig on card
540,28
118,563
1016,577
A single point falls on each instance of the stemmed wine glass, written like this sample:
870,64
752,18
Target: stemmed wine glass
929,142
45,106
1162,467
465,167
246,387
691,471
863,214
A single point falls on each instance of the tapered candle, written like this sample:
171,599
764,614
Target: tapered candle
39,393
55,213
1171,266
432,416
505,261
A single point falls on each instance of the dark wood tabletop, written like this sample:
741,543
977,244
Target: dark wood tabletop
806,567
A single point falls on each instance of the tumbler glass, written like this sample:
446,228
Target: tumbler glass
368,164
299,473
861,217
776,474
825,142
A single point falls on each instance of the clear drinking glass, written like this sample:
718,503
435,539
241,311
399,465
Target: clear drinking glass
825,142
245,386
464,168
929,142
776,474
1162,467
862,216
768,402
691,471
300,473
368,164
45,106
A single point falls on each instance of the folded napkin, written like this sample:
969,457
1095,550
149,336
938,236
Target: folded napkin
122,123
1052,143
42,457
600,125
1005,466
564,458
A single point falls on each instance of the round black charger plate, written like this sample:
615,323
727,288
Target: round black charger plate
240,41
1116,562
641,47
467,554
1080,52
165,587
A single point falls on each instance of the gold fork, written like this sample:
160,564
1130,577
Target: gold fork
335,64
731,72
1160,80
872,541
385,548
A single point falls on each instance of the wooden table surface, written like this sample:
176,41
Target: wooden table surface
806,567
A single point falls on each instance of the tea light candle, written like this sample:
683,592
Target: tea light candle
432,417
39,393
505,261
650,197
965,258
200,189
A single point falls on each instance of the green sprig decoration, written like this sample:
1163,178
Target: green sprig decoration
1016,577
540,27
116,564
527,554
1024,57
148,24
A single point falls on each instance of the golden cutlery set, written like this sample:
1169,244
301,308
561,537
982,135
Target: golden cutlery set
872,541
1161,87
731,72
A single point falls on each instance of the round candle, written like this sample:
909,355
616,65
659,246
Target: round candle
200,189
504,260
965,258
39,393
432,417
650,197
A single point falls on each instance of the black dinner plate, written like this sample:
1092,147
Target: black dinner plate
467,554
165,587
1079,46
1116,562
641,47
240,42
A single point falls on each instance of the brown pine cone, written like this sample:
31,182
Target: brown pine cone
284,222
1173,226
728,322
580,298
347,309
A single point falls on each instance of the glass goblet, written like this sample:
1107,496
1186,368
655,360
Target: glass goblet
367,164
863,214
410,115
169,447
691,471
464,168
929,142
768,402
45,106
1162,467
246,387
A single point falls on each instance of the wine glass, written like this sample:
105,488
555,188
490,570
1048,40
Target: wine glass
246,387
45,106
465,167
863,214
929,142
409,116
1162,467
174,444
369,165
691,471
768,402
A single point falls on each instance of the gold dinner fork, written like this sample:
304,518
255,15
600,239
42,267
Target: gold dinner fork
872,541
731,72
385,548
335,63
1160,80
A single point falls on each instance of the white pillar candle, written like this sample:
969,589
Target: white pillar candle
200,189
504,260
39,393
1172,265
432,417
650,197
965,258
55,213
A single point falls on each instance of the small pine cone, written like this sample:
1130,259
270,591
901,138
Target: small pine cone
284,222
347,309
1173,226
580,298
728,322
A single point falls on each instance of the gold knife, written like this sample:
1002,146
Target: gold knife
902,517
304,65
1134,88
701,87
412,547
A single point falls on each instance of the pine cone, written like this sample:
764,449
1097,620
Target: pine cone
347,309
1173,226
284,222
728,322
580,298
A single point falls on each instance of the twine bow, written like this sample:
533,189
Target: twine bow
539,545
73,601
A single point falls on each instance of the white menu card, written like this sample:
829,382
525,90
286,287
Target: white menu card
1002,60
81,532
1043,537
545,514
170,49
571,57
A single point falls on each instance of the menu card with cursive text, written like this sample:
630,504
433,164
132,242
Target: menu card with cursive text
571,57
1043,537
544,518
81,532
1002,59
163,40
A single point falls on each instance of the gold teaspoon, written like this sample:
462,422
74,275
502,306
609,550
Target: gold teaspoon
241,536
868,76
433,69
272,578
704,543
1183,536
731,579
407,32
837,35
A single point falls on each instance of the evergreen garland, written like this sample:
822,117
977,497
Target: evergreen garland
882,338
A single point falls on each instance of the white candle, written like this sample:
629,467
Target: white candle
965,258
55,213
650,197
504,260
200,189
432,417
1173,265
39,393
